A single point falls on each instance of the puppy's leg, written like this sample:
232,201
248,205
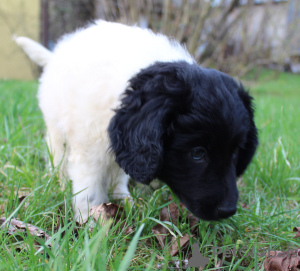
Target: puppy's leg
119,183
89,184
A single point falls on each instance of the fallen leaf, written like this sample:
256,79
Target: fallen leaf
19,247
297,230
174,249
244,205
282,261
175,214
159,230
2,207
160,257
21,196
16,226
129,230
105,211
164,215
160,233
23,192
193,221
174,210
172,213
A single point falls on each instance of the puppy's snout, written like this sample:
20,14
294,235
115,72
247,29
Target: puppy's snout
226,211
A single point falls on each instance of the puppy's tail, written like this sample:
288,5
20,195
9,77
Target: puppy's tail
36,52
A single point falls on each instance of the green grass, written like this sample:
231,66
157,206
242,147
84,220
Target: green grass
270,188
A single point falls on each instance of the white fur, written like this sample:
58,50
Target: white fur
37,53
81,85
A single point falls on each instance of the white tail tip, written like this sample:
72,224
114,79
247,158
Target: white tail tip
36,52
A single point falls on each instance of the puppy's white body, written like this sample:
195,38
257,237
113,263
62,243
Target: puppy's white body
81,85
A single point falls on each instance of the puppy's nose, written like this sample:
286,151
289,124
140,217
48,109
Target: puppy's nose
225,212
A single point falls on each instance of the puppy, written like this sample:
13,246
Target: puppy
120,101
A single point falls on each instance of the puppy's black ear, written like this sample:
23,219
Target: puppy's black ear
138,128
246,153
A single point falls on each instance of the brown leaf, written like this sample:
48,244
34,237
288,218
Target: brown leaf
21,198
244,205
173,214
164,215
282,261
16,226
193,221
19,247
2,207
174,249
3,204
23,192
174,210
105,211
159,230
159,257
160,233
297,230
128,230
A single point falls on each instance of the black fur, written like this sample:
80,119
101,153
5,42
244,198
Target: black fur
169,112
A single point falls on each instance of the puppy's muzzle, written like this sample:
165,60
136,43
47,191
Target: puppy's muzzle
225,211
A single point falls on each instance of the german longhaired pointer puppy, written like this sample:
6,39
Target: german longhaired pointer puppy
120,101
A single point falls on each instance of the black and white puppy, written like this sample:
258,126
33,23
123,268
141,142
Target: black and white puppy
191,127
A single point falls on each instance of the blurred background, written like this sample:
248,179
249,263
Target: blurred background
234,36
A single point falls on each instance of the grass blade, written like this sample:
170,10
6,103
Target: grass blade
131,250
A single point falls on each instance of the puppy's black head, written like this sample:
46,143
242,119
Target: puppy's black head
192,128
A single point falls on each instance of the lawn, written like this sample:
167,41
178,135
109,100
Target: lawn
267,213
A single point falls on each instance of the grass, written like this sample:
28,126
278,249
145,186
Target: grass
269,190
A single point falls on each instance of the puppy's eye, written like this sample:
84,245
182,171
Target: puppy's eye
198,153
